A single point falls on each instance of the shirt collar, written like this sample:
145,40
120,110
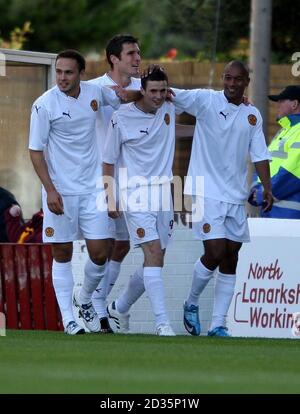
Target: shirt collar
229,104
67,96
289,120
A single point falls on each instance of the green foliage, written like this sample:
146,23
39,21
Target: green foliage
60,24
187,25
285,29
17,37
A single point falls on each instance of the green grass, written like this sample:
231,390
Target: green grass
52,362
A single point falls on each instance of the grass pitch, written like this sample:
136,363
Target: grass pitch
52,362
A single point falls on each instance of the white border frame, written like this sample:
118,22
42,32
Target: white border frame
25,56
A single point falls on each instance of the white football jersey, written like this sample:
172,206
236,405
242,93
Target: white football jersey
144,143
105,112
225,136
63,128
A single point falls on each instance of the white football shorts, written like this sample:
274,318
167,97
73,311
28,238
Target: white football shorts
151,224
82,218
118,228
221,220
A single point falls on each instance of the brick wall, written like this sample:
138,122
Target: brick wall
179,261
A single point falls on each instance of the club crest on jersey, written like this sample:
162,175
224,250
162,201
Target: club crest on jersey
140,232
206,228
252,119
167,119
49,231
94,105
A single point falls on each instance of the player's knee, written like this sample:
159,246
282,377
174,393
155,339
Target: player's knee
215,256
229,264
232,262
99,258
62,254
121,249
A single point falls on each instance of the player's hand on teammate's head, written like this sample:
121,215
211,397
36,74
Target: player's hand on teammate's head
170,95
146,72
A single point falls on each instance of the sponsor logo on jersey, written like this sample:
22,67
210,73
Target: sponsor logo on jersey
225,115
167,119
67,114
49,231
252,119
94,105
206,228
140,232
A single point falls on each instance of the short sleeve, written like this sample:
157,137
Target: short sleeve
258,146
194,101
113,142
39,127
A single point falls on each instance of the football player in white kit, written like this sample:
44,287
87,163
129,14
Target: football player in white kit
63,151
123,56
227,132
141,139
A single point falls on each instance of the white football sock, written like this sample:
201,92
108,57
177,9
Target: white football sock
134,290
99,295
201,277
62,279
105,286
113,272
155,290
93,273
224,290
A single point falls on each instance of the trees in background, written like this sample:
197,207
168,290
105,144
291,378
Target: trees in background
60,24
285,25
17,37
189,25
161,25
